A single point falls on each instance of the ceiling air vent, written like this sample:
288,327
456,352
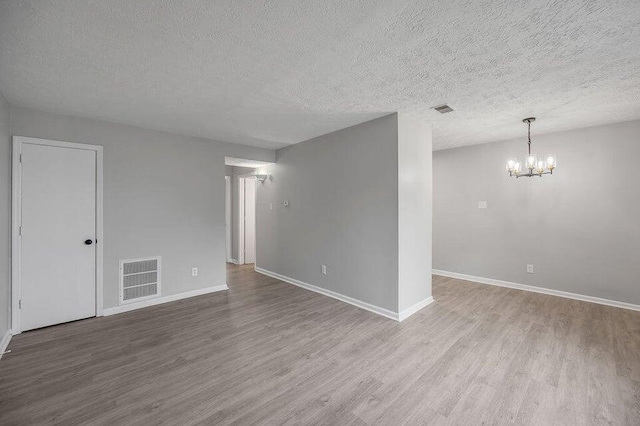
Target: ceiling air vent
443,109
139,279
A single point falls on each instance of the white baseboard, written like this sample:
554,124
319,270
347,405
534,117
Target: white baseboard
355,302
534,289
415,308
232,260
160,300
4,344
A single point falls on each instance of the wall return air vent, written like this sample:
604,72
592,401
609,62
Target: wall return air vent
139,279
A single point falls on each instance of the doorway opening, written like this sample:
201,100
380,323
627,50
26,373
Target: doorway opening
247,220
242,182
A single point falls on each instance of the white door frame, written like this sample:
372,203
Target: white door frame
228,220
241,183
16,215
242,180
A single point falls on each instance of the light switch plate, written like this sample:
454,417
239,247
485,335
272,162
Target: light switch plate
286,203
482,204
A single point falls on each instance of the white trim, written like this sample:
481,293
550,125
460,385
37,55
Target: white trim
242,181
61,144
355,302
16,246
251,175
16,214
4,344
228,218
241,184
415,308
161,300
534,289
234,261
158,282
99,232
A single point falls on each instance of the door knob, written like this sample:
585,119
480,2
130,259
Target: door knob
88,242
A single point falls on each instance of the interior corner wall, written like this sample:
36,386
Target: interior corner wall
5,219
164,195
414,212
579,227
343,193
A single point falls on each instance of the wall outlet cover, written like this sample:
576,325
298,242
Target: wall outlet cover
324,269
194,272
482,204
529,269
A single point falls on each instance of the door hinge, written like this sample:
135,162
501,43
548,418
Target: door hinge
20,231
19,303
20,158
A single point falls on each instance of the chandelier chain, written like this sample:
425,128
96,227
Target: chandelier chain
529,135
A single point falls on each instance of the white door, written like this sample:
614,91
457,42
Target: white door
250,221
227,214
58,268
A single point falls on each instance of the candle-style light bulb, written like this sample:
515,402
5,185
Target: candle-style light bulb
551,161
531,161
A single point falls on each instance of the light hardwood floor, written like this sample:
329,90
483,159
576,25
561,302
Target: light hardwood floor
266,352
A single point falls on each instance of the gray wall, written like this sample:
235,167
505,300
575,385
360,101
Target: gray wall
163,195
580,227
5,218
343,189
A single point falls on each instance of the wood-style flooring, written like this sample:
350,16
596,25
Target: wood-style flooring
270,353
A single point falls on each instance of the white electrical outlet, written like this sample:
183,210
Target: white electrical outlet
270,206
482,204
194,272
529,269
324,269
286,203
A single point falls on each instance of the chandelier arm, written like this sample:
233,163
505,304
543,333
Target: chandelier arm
531,174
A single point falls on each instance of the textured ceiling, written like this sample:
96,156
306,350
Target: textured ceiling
272,73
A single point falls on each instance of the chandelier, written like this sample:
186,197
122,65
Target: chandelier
534,165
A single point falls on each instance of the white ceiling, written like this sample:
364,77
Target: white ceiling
273,73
